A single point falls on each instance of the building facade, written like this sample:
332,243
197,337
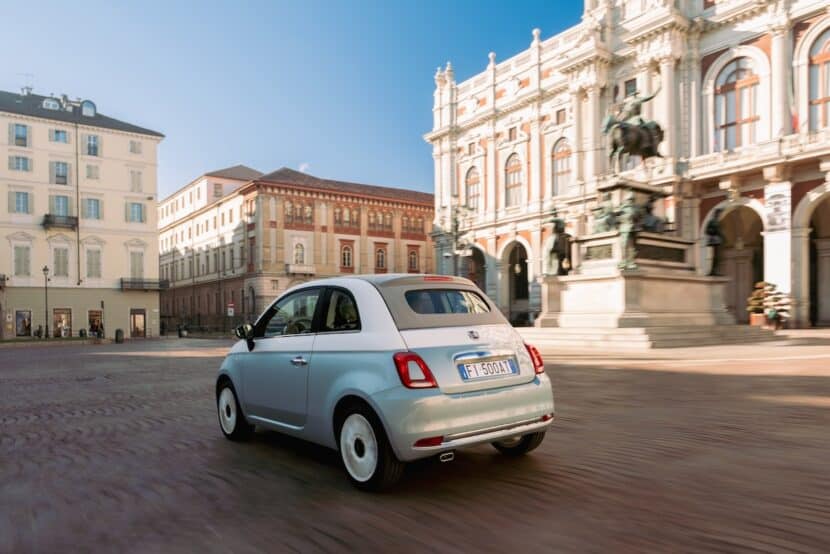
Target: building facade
78,249
743,95
233,240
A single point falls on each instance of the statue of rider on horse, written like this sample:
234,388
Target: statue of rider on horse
628,133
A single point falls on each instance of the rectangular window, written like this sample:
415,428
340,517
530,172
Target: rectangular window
92,208
471,149
22,261
135,212
511,134
450,301
21,135
135,147
560,117
92,146
59,135
135,180
93,264
61,176
217,190
60,205
20,163
630,87
21,202
60,262
137,265
92,172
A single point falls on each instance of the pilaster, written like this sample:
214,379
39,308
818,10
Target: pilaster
778,230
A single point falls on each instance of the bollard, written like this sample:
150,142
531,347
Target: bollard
119,336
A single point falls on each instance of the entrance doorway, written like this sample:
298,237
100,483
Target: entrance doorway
518,309
820,264
62,322
477,272
137,323
96,322
743,257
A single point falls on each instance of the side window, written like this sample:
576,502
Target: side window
341,313
292,315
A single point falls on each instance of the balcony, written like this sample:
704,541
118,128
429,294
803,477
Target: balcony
60,221
302,269
144,284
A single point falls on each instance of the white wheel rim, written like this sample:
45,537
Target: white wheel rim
227,410
359,447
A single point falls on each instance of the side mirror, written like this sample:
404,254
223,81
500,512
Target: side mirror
244,332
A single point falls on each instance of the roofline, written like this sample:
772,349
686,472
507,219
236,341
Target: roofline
194,181
345,193
149,133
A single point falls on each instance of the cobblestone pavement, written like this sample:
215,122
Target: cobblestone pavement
117,448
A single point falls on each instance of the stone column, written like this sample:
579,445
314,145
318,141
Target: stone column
591,153
778,231
800,307
823,281
535,163
780,81
579,157
670,121
694,95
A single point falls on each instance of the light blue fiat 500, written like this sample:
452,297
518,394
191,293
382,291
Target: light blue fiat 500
386,369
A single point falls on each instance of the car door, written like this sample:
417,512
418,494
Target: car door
275,371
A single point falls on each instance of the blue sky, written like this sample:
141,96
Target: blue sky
343,89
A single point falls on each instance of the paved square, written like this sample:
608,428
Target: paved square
117,448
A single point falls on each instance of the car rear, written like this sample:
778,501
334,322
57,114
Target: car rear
467,377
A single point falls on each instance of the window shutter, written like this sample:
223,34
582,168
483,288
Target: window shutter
31,164
53,172
143,214
84,143
71,206
51,135
29,136
11,134
11,162
84,210
30,201
100,146
100,209
12,207
126,211
26,261
69,174
51,204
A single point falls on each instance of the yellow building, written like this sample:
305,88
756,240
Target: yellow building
79,248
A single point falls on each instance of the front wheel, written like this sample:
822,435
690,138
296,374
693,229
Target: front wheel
231,419
369,460
518,446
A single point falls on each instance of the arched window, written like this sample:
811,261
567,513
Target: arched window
736,105
820,82
513,181
347,215
472,184
561,167
380,258
346,256
299,254
413,260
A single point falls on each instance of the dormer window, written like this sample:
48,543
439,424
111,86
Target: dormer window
88,108
51,104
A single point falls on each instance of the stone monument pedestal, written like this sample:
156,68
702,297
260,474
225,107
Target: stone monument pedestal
658,301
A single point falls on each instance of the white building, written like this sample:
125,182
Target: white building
77,195
744,98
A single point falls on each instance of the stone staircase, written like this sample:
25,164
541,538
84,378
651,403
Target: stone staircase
643,338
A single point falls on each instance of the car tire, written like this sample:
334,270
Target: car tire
520,446
365,451
231,419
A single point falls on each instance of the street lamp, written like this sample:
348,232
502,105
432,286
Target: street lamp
46,302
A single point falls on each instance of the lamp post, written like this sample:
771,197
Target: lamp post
46,302
458,211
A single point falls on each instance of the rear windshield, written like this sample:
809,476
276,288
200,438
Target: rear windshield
446,301
417,303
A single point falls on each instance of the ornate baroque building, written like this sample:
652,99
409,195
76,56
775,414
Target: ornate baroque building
235,238
743,93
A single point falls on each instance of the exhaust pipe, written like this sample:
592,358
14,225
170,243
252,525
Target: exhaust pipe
445,457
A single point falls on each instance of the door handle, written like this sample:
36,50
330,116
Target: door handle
299,361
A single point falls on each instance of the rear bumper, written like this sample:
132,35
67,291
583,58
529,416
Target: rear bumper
463,419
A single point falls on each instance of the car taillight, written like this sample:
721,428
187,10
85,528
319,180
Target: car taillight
536,358
429,441
413,371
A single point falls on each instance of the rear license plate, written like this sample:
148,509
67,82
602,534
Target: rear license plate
492,368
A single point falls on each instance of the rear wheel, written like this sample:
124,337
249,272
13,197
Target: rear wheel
518,446
369,460
231,419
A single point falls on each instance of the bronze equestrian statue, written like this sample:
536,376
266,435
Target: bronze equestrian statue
628,133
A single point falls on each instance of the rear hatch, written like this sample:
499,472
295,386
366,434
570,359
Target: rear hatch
463,338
